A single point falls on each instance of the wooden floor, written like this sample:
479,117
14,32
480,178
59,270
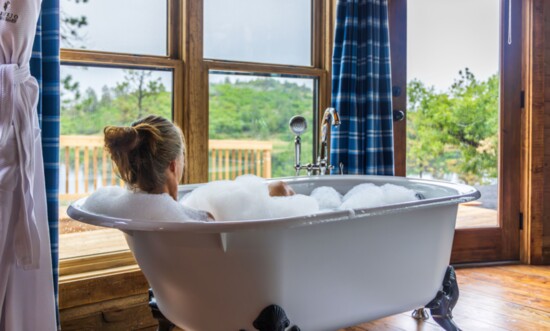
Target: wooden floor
499,298
511,298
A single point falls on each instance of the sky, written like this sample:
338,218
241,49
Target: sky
444,36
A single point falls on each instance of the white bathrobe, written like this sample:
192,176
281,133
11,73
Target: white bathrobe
26,285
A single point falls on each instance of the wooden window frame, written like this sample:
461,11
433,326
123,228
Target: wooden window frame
190,96
197,68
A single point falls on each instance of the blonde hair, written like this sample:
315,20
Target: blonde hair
143,151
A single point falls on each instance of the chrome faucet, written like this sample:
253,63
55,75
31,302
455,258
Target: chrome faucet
298,125
322,160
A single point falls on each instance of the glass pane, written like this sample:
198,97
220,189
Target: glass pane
121,26
266,31
248,127
92,98
453,99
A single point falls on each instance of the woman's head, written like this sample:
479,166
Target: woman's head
148,154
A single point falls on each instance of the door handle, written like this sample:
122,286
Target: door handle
398,115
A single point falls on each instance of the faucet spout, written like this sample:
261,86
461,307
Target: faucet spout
330,115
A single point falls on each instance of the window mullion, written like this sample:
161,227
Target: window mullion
195,113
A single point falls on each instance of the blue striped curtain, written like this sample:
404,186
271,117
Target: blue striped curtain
45,68
361,89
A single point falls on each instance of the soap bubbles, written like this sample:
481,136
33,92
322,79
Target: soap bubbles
327,197
247,198
369,195
120,202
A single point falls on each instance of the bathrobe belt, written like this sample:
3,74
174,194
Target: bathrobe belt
19,112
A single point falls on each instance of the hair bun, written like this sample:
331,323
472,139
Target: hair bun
143,151
149,134
121,139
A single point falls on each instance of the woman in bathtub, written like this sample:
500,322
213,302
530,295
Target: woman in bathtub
149,156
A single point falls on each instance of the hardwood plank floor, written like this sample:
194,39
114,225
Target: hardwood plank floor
514,298
498,298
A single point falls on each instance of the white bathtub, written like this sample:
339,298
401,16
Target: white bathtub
327,271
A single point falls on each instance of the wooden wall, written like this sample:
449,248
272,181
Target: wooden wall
545,220
536,133
115,300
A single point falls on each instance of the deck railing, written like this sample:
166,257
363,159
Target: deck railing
232,158
228,159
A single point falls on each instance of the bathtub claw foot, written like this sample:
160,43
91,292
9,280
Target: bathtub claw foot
273,318
164,323
441,307
420,314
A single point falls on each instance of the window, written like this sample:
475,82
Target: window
108,79
141,26
248,123
193,66
92,98
258,31
454,84
266,63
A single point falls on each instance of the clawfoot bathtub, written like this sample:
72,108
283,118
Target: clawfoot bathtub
327,271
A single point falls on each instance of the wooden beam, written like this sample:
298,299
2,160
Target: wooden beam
536,131
262,68
509,132
195,116
95,287
398,42
96,58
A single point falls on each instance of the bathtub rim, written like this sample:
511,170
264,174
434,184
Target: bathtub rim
465,193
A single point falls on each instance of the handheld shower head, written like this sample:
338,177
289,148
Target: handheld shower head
298,125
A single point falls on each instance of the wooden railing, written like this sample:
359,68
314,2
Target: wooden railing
228,159
232,158
75,154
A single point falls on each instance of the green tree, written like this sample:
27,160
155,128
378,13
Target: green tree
135,94
260,110
253,110
454,131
